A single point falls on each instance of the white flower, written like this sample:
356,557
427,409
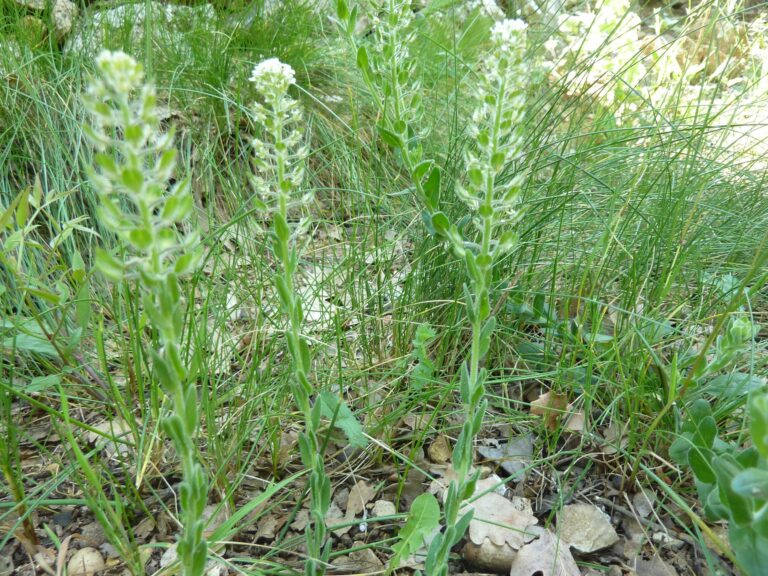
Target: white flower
272,74
120,71
487,7
508,31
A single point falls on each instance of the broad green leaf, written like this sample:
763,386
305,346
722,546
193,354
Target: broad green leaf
752,483
335,409
432,189
42,383
423,519
726,469
758,425
390,137
751,549
27,338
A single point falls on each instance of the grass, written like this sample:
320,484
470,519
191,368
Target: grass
629,230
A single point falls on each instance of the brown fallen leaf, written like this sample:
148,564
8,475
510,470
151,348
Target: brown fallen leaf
85,562
546,556
361,561
499,519
440,450
550,406
269,526
359,495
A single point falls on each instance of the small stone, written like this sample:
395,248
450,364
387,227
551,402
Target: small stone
63,15
383,508
586,527
93,534
662,538
643,504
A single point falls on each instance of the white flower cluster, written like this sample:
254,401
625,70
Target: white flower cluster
278,158
485,7
508,34
120,71
136,165
496,127
272,74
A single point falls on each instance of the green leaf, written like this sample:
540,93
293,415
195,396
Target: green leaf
282,232
432,189
83,306
22,210
423,519
751,549
726,468
27,337
700,461
42,383
335,409
421,169
141,239
441,223
177,207
342,10
752,483
758,426
362,60
187,262
389,137
132,179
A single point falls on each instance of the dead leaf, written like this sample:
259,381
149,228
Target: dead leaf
615,438
85,562
551,406
115,437
360,494
360,561
439,451
575,420
269,527
643,504
6,562
514,456
654,567
586,527
335,517
45,558
301,521
489,556
545,556
144,528
499,519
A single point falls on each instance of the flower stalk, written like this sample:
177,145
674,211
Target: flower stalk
279,162
496,143
132,175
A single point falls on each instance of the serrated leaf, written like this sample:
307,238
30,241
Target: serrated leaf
334,408
423,519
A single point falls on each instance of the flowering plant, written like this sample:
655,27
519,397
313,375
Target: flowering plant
134,167
279,162
496,144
